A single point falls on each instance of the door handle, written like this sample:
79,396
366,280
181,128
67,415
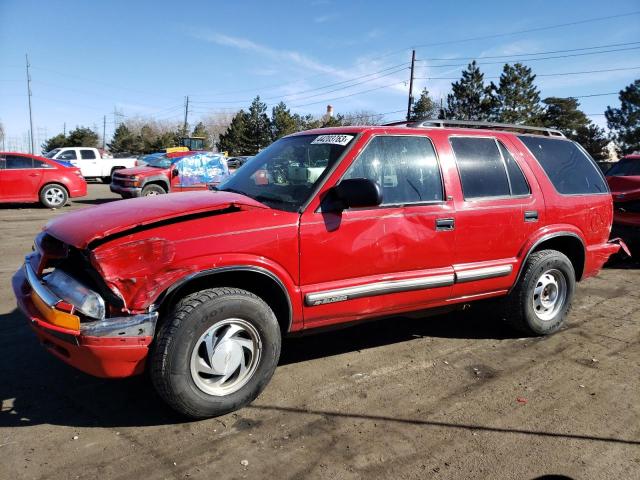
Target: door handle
33,175
445,224
531,216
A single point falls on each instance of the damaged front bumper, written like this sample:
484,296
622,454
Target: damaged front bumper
112,347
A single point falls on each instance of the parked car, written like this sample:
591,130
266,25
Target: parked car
30,178
237,162
172,172
322,228
624,182
90,162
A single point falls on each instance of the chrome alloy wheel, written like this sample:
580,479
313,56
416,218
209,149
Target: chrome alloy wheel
225,357
54,196
549,294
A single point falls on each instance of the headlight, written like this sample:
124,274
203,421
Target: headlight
84,300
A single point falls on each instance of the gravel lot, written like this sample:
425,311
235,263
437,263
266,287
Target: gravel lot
452,396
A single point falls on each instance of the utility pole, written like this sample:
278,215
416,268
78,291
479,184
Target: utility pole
413,62
104,130
31,145
186,116
64,129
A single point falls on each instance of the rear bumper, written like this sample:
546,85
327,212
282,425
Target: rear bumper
597,256
78,190
126,191
114,348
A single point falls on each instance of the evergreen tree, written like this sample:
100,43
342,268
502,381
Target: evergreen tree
258,126
164,140
517,99
82,137
282,122
201,131
125,141
563,114
235,140
425,108
470,99
58,141
593,140
624,122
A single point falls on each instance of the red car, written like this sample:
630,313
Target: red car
30,178
172,172
322,228
624,182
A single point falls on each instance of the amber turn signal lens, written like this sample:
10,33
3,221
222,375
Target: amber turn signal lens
54,316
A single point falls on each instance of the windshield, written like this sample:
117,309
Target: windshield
284,175
52,153
159,161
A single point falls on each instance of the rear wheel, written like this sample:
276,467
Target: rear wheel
540,301
215,352
54,196
153,189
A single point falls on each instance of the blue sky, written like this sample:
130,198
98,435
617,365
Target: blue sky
143,57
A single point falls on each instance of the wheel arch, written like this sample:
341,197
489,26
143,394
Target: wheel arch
569,243
53,182
162,182
259,281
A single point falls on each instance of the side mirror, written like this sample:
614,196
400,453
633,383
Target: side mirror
175,172
354,193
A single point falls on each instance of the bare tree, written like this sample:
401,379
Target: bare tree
217,123
362,117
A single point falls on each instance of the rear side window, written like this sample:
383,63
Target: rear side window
519,185
40,164
14,162
482,171
569,168
404,166
87,154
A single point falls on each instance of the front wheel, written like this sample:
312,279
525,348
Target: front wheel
54,196
540,301
215,352
152,189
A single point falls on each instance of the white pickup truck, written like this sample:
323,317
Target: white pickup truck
90,162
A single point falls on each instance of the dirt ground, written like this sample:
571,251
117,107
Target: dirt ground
452,396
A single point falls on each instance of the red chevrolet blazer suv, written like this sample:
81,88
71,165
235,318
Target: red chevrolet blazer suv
321,228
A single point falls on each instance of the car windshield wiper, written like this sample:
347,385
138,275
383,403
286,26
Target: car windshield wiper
263,197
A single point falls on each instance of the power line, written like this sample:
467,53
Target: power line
395,67
541,74
529,54
536,59
350,95
529,30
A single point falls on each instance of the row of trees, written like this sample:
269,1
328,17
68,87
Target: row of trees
252,130
80,137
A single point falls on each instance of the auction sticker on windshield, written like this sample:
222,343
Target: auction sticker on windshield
332,139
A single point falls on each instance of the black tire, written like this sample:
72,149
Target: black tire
182,332
54,195
153,189
520,306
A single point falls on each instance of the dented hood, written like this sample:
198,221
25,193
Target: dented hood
90,224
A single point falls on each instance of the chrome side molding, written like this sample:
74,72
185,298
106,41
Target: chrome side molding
378,288
483,273
395,286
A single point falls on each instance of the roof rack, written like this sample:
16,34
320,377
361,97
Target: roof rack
435,123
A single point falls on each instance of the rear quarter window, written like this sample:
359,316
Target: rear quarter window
569,168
